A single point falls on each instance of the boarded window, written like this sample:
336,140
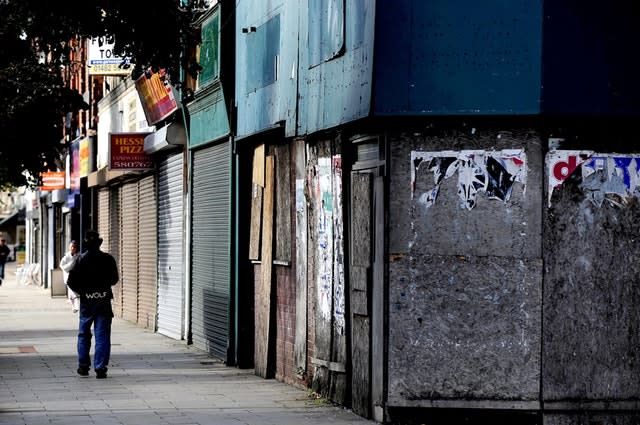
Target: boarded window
263,50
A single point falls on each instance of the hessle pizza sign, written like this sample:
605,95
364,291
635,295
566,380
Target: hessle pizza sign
126,152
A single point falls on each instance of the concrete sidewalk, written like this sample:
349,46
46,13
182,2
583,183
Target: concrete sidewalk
152,379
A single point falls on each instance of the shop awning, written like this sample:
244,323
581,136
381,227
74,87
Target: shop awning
9,218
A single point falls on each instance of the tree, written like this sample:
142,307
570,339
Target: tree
34,43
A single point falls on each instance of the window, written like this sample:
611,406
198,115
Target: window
263,51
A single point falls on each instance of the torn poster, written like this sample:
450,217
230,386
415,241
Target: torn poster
491,172
604,177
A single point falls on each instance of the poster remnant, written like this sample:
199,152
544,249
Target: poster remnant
608,177
330,245
491,172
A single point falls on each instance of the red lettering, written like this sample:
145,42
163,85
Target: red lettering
563,169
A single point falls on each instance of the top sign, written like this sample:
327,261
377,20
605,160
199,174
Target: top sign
102,59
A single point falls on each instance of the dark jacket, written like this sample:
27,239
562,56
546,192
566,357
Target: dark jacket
93,276
4,254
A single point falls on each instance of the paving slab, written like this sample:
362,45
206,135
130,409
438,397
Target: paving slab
152,379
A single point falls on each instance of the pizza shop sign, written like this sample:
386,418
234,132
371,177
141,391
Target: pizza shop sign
126,152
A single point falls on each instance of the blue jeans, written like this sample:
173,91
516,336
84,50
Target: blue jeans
100,316
2,270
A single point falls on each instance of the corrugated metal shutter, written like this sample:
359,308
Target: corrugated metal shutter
211,245
129,259
114,242
170,247
104,216
147,248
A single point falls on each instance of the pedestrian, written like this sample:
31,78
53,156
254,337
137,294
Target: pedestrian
66,264
4,256
92,277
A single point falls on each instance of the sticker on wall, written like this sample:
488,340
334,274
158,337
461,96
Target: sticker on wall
613,178
493,173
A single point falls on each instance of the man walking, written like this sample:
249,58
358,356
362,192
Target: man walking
92,277
4,256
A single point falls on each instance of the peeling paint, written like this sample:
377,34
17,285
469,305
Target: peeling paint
491,172
613,178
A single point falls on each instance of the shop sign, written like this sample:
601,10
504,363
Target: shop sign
52,180
126,152
85,155
102,59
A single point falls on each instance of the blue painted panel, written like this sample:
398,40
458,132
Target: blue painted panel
338,90
326,30
445,57
266,65
263,49
590,58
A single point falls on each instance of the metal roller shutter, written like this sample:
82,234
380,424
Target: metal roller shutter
171,247
210,272
129,250
147,248
113,242
104,216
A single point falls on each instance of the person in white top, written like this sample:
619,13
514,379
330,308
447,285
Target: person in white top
66,264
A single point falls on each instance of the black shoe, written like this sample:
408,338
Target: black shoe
83,371
101,373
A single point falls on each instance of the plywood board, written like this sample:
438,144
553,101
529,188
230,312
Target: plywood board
257,187
263,360
300,345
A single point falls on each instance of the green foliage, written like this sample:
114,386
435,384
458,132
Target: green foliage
33,99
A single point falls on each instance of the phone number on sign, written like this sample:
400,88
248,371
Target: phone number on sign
131,164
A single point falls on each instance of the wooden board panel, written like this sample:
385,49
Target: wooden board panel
361,204
283,202
257,187
258,166
300,347
263,357
338,386
256,221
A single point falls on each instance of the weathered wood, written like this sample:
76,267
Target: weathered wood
377,298
258,166
360,232
300,347
264,305
257,187
360,366
283,203
358,302
338,389
256,221
322,251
